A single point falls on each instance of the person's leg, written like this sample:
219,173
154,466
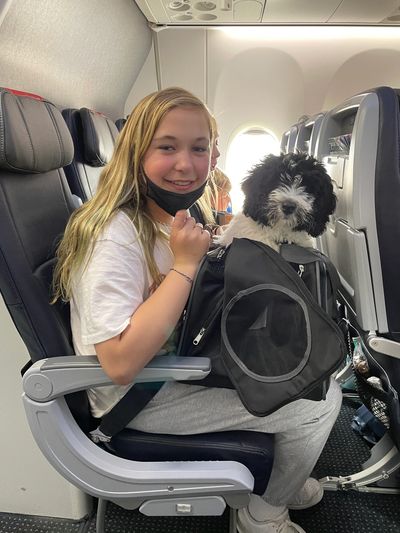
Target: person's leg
299,445
301,428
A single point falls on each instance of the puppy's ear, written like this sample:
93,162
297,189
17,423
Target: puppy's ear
258,183
324,205
318,227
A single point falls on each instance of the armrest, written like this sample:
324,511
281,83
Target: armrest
50,378
99,473
384,346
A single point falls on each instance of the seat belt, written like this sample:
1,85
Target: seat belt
134,400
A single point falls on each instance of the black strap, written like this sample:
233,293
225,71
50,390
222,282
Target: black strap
134,400
299,255
334,276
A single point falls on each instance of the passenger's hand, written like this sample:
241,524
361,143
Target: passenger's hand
220,229
189,241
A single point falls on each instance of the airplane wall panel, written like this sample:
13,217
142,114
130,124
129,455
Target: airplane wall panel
145,83
273,75
324,59
183,55
4,7
385,71
252,86
74,53
28,484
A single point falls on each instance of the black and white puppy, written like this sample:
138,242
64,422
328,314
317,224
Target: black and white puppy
288,199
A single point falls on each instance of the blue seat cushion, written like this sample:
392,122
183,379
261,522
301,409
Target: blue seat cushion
252,449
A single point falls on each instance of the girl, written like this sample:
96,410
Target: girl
126,265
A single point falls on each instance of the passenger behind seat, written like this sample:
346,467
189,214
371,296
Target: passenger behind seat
94,137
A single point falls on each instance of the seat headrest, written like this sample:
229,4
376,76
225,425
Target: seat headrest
120,123
99,135
33,135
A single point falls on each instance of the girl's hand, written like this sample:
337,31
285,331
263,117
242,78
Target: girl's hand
188,240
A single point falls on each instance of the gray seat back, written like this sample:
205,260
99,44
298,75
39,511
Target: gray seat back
307,134
359,144
94,137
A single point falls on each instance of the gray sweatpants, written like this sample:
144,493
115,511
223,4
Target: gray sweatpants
301,428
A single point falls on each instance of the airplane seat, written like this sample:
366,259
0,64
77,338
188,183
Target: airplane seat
307,133
160,474
289,139
120,123
285,141
297,133
359,143
94,136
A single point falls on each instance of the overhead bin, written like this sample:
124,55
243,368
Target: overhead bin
329,11
231,12
202,12
370,12
299,11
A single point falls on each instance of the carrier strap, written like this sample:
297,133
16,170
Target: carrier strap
297,254
134,400
334,277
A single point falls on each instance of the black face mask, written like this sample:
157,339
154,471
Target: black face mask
172,202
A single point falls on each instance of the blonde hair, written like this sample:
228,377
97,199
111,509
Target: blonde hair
221,180
209,200
216,195
206,202
121,186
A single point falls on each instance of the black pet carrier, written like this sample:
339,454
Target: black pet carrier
266,334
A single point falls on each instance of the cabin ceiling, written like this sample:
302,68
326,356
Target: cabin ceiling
258,12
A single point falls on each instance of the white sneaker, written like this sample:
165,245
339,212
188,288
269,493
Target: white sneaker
280,524
310,494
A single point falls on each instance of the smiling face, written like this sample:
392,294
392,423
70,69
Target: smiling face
178,158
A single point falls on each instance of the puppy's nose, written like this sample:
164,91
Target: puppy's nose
288,207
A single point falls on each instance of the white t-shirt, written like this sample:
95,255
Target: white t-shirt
107,291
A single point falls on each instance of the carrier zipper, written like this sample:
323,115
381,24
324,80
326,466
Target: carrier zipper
300,272
221,253
186,312
203,329
198,337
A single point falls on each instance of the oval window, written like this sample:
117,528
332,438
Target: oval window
246,149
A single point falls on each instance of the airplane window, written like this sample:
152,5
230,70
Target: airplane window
245,150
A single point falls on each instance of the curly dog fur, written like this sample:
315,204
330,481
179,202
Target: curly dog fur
288,198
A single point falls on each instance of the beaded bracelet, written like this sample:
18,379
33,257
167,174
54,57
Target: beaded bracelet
212,228
187,278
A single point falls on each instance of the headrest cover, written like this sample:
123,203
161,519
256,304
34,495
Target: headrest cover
120,123
99,135
33,135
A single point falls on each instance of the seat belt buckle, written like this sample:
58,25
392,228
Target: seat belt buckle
98,436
